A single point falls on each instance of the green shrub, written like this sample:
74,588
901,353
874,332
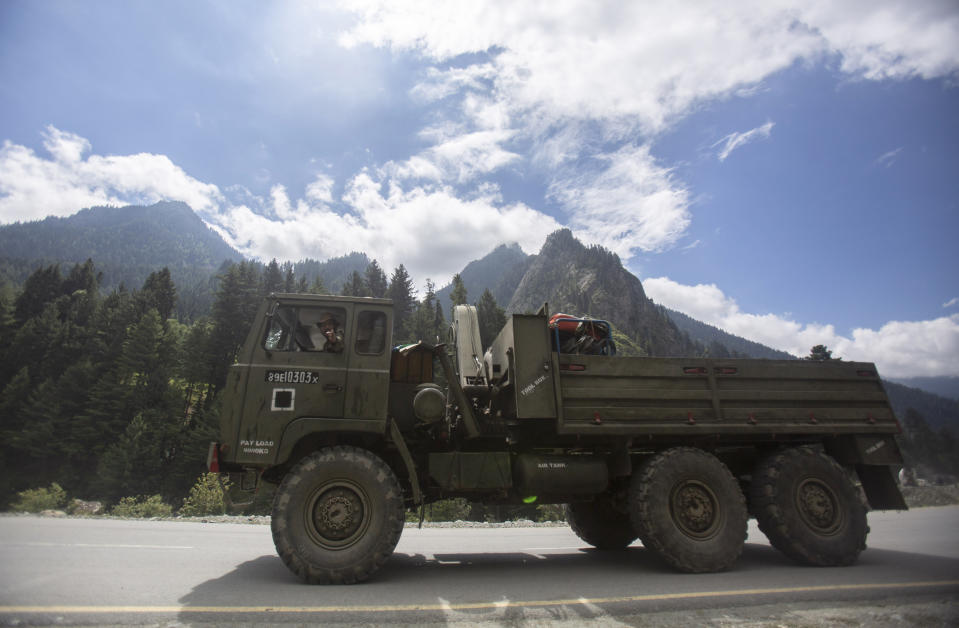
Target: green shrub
38,499
457,509
550,512
207,497
142,507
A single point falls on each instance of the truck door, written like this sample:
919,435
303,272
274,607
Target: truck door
299,370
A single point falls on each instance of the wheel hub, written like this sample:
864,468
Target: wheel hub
817,505
338,514
695,510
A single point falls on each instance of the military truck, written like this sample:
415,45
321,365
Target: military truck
677,452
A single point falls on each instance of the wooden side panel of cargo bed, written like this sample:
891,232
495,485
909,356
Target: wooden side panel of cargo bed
678,396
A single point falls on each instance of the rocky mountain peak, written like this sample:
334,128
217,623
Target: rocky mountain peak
592,281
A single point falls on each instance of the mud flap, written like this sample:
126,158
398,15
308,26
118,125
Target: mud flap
879,484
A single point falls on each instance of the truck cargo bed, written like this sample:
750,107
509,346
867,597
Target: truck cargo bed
636,395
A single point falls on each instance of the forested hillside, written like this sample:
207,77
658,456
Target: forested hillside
164,234
719,341
947,387
129,243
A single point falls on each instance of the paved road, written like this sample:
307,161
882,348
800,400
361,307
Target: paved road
99,571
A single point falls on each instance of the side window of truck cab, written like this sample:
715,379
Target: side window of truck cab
315,329
370,333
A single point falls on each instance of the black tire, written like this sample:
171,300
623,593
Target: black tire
809,508
689,510
600,523
337,516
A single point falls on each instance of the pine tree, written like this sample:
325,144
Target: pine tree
272,278
159,293
34,446
318,287
821,353
425,322
114,316
82,277
440,329
458,293
135,463
491,317
375,280
233,312
7,323
354,286
37,344
289,277
401,292
13,398
193,367
40,288
52,443
146,362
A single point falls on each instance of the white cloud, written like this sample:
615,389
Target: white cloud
603,60
654,60
632,203
33,187
899,348
321,189
892,39
463,150
440,84
431,231
734,140
572,78
951,302
458,159
888,158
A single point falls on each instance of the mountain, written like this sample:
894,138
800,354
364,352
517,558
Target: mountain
505,269
127,243
591,281
947,387
938,411
165,234
500,272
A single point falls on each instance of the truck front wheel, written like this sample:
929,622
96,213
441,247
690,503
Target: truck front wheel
688,509
337,516
808,508
600,523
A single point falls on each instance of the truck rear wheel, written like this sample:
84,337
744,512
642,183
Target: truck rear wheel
688,509
808,508
337,516
600,523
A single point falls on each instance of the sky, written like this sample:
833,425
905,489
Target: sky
785,170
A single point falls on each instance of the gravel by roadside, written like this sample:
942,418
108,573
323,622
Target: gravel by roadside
916,497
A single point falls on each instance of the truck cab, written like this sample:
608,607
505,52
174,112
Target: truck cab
291,380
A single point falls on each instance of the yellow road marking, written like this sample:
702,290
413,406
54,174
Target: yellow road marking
468,605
